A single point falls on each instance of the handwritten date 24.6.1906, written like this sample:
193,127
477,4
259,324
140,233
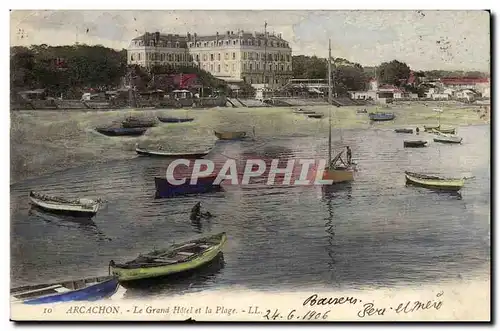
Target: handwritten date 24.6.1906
292,315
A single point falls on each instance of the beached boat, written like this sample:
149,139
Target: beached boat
315,115
414,143
446,138
403,130
165,189
337,170
361,111
446,130
377,117
133,122
174,119
90,289
230,135
58,205
122,131
434,182
160,153
178,258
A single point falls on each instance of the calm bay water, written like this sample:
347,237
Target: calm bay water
374,232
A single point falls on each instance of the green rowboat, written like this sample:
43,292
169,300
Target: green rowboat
175,259
434,182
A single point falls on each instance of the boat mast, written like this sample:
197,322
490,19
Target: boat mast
329,102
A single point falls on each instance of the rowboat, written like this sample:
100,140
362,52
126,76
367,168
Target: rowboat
403,130
90,289
174,119
230,135
186,155
414,143
434,182
175,259
122,131
446,138
132,122
361,111
430,128
381,116
446,130
58,205
166,189
315,115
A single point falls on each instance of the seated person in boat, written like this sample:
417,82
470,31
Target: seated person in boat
349,155
196,213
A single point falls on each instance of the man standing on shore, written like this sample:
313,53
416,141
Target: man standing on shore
349,155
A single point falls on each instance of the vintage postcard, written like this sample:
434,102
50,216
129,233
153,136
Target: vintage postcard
261,166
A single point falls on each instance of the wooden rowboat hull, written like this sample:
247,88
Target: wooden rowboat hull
174,119
448,140
403,130
419,143
315,116
82,291
127,274
195,155
230,135
64,209
133,132
164,189
338,176
452,185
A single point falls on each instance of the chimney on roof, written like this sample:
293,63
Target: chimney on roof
232,33
157,37
228,32
217,36
189,36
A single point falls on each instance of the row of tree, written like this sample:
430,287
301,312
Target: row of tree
69,70
349,76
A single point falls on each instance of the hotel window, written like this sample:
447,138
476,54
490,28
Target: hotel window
132,57
258,66
226,56
250,67
226,68
244,67
234,42
139,56
211,57
211,67
227,42
281,67
218,56
244,55
198,44
204,57
234,67
204,67
218,68
234,56
197,58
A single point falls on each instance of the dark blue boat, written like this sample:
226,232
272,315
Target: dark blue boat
164,189
122,131
382,116
174,119
90,289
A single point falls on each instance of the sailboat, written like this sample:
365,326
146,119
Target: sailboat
336,170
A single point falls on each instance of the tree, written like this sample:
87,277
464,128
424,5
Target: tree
393,72
348,76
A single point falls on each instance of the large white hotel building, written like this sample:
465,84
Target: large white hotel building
255,58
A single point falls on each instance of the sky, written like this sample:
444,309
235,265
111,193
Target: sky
425,40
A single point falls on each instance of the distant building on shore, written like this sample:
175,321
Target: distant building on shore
255,58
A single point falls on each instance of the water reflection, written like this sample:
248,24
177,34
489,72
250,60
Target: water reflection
334,195
85,224
176,283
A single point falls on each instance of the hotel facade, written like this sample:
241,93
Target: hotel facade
254,58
